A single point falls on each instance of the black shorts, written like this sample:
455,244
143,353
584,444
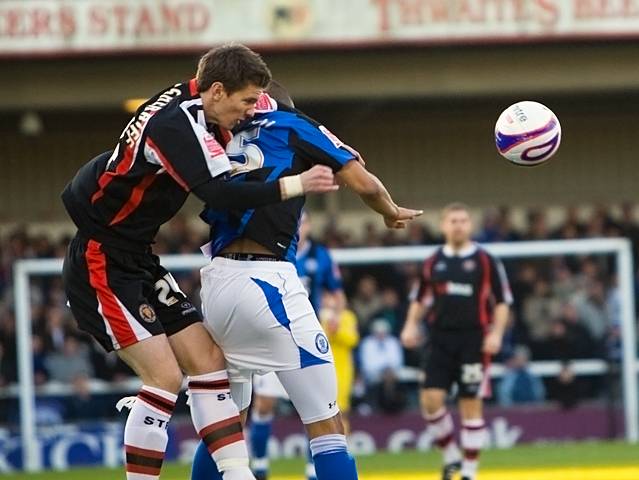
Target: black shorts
121,298
455,356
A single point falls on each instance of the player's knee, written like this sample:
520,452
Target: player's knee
167,378
330,426
431,402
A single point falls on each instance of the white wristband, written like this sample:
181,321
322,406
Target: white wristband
291,186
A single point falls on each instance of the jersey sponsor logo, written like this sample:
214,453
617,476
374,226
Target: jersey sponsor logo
213,146
461,289
321,343
332,137
147,313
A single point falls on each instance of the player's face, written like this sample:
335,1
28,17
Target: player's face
228,110
457,227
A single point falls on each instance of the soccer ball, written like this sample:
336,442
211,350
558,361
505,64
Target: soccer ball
527,133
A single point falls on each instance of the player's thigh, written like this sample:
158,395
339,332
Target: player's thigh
313,392
241,393
195,350
154,362
267,390
107,292
471,376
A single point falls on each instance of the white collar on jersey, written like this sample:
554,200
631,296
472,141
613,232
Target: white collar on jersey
464,252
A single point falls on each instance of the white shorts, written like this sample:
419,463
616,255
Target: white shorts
260,316
269,386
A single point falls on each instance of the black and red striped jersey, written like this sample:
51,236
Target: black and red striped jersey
461,288
122,197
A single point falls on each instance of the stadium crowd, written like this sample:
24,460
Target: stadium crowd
565,308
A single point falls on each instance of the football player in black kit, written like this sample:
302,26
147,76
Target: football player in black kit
117,289
465,296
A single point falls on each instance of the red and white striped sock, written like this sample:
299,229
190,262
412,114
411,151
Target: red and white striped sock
473,439
216,419
145,435
442,430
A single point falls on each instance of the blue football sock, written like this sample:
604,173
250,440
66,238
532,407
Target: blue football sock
311,474
204,467
259,434
331,457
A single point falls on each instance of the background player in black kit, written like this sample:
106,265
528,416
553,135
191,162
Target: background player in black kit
465,295
118,291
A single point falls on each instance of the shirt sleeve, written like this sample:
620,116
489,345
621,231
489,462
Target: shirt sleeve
423,290
317,144
188,152
499,282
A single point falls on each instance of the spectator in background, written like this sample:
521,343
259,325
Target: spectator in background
565,388
366,301
519,384
539,311
569,338
537,226
71,362
83,405
419,234
391,309
57,327
380,353
592,310
40,373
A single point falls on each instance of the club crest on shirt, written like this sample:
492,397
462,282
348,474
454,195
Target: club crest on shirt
440,266
147,313
469,265
321,343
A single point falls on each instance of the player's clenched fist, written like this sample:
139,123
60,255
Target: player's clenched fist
319,179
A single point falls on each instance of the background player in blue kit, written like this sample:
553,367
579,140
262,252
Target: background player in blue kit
320,276
255,304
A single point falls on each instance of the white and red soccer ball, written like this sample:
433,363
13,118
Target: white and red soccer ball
527,133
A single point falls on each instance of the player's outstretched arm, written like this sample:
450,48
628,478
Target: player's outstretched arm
374,194
222,195
411,335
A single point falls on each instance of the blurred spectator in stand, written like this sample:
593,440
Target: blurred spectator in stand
392,309
569,338
72,361
40,373
175,233
565,388
564,283
366,301
539,311
7,370
519,384
419,234
381,358
380,352
613,309
83,405
497,226
592,310
571,227
371,237
57,327
537,226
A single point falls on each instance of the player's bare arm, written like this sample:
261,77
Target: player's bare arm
375,195
243,195
411,335
492,341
